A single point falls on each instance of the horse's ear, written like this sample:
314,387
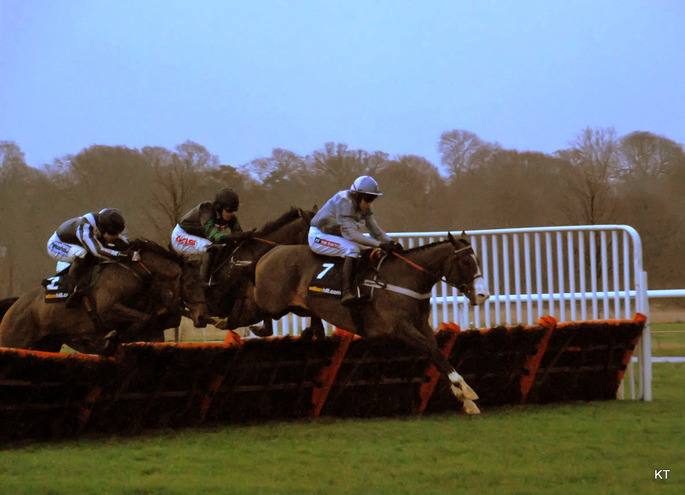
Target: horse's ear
451,238
315,208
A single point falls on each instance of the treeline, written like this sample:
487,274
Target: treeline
637,179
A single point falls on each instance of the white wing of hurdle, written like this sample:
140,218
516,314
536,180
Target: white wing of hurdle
572,273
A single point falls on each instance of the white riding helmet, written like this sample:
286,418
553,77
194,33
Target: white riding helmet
366,184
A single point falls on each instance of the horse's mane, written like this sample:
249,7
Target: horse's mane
426,246
292,214
153,247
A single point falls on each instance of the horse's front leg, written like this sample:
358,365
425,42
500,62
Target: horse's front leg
424,340
119,314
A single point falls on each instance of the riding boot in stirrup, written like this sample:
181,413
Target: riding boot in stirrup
206,266
77,276
348,295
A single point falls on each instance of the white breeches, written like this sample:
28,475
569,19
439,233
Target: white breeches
186,244
63,252
332,245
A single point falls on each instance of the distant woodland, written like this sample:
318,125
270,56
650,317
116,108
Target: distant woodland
637,179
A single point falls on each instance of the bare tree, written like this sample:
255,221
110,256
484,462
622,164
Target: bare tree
411,187
591,177
281,165
343,165
177,177
463,150
644,156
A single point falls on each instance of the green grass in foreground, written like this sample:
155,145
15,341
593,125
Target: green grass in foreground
596,447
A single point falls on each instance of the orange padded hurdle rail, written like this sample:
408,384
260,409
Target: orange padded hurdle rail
328,373
533,362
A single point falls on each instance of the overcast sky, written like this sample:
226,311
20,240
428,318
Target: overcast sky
244,77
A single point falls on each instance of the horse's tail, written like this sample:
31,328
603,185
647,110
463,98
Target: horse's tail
5,305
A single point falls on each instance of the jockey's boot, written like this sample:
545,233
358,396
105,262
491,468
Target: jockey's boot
78,275
206,266
348,295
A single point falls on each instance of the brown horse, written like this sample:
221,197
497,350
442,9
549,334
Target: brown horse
401,310
139,299
229,296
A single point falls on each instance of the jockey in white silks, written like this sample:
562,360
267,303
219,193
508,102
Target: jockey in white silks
335,229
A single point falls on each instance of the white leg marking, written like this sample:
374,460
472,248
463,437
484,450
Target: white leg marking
455,377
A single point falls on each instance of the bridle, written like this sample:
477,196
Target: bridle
442,278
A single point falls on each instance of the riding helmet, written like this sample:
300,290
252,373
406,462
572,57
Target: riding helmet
227,198
111,221
366,184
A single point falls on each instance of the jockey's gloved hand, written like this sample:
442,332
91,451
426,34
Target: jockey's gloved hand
391,247
134,256
246,235
387,247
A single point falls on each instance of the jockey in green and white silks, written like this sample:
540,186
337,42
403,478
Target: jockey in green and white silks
90,233
335,229
208,223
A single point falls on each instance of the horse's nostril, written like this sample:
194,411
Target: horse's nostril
481,297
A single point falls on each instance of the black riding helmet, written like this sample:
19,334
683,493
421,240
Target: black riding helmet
227,198
111,221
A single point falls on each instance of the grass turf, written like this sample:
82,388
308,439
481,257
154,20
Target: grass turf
582,447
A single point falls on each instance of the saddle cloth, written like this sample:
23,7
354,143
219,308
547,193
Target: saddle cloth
327,279
57,288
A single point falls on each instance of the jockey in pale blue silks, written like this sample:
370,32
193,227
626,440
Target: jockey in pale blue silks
335,229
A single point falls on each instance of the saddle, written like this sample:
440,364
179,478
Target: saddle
327,280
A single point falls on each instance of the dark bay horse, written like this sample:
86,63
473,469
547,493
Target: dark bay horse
229,297
139,299
401,311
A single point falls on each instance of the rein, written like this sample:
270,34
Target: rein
135,272
422,269
265,241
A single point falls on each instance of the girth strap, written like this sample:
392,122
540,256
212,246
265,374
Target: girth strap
396,288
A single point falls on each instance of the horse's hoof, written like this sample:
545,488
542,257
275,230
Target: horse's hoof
463,392
261,331
469,393
470,407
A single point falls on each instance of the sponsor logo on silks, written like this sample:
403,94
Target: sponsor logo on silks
60,248
185,240
327,243
325,290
